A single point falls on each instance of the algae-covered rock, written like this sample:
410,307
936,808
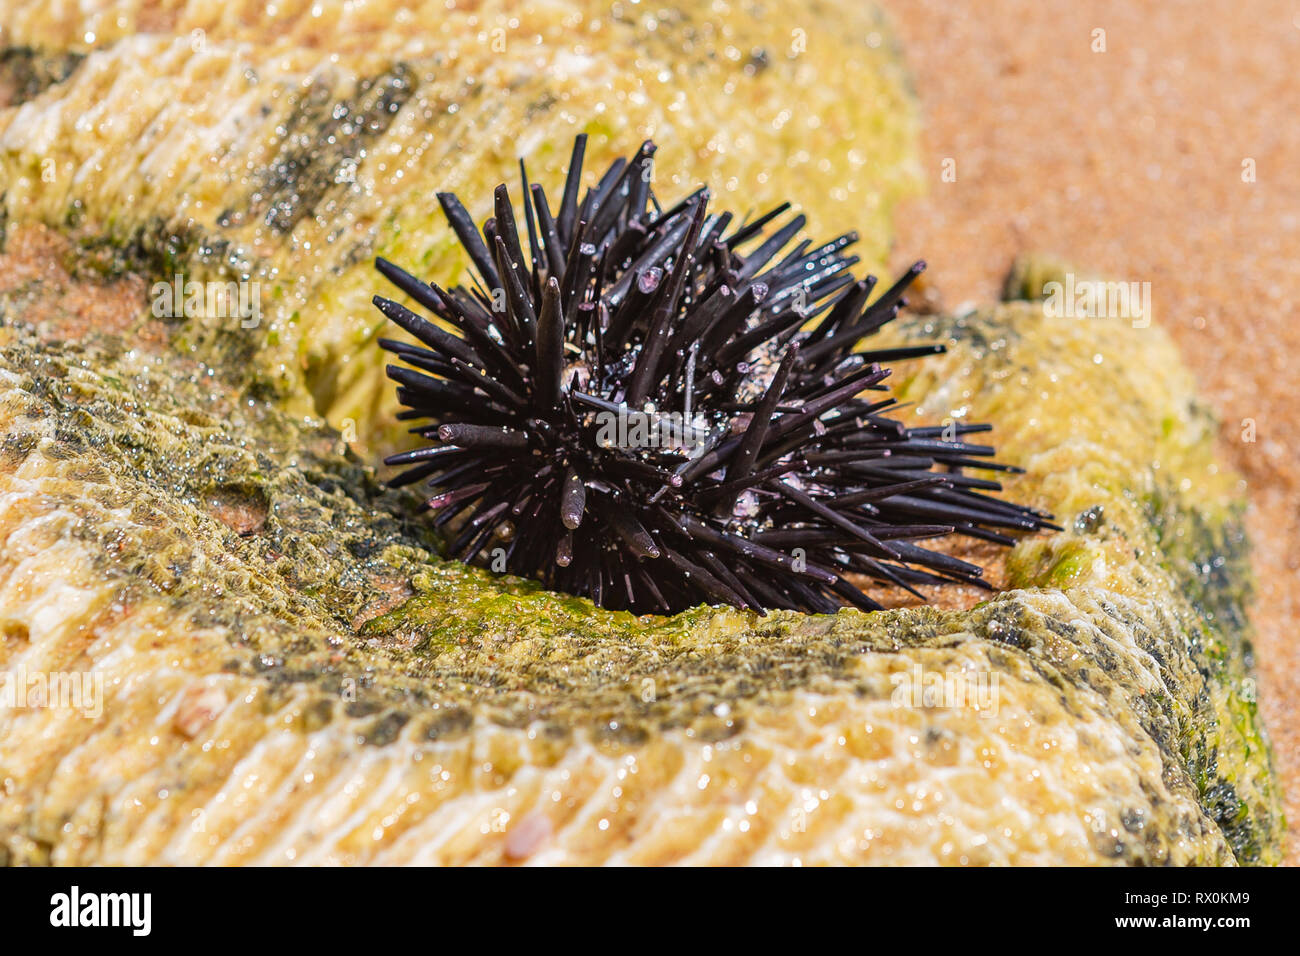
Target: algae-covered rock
290,675
288,147
275,667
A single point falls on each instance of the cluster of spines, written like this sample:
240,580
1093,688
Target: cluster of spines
803,482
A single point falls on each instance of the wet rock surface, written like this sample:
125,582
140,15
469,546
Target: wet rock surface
289,672
1100,712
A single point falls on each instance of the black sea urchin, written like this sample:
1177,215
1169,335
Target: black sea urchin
644,413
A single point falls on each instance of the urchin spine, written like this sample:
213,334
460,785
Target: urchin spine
780,483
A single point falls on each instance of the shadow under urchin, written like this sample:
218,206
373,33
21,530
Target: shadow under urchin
764,468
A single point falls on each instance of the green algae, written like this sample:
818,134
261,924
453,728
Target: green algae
317,168
337,587
250,517
26,72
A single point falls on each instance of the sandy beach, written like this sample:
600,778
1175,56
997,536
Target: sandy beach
1161,151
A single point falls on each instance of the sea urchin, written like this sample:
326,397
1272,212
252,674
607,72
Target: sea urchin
652,410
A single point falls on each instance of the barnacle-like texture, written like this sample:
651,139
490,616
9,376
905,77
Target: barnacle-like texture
288,144
657,409
289,676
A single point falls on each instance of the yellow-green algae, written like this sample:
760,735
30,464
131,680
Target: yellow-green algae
1104,415
289,147
337,593
250,524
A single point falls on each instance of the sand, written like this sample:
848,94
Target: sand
1135,163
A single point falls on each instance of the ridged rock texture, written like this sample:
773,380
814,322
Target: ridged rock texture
291,675
207,139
